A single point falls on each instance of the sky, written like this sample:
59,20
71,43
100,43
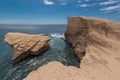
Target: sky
56,11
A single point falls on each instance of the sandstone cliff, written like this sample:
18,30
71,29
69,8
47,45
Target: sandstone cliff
98,40
88,31
26,44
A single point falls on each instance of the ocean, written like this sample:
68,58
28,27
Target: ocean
58,50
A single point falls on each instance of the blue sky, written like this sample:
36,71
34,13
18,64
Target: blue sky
56,11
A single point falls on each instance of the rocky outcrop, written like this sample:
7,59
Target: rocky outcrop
97,39
83,31
26,44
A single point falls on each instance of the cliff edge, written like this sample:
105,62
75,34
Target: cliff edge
96,43
83,32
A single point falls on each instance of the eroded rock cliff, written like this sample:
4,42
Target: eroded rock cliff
97,39
26,44
83,31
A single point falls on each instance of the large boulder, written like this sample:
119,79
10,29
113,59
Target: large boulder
26,44
83,31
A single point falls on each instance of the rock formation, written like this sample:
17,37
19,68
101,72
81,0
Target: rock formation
97,39
26,44
83,31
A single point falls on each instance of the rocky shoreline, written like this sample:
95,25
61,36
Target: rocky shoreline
95,42
96,39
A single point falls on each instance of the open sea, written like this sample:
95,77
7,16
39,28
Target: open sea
58,50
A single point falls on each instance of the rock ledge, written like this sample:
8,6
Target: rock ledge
26,44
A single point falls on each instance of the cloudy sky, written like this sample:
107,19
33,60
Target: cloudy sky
56,11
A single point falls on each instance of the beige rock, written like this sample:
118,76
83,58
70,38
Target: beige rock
26,44
100,39
83,31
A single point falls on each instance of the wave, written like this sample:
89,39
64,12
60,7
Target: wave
57,35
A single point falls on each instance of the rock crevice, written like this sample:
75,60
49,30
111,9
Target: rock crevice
82,31
97,39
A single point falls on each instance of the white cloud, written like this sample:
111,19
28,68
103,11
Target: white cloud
109,2
63,2
47,2
102,5
87,5
111,8
79,1
84,5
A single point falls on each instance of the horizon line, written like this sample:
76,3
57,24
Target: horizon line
28,24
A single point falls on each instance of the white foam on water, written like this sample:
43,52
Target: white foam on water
57,35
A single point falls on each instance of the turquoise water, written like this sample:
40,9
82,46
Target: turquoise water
58,50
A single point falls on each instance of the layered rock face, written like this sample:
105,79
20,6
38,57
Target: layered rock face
83,31
97,39
26,44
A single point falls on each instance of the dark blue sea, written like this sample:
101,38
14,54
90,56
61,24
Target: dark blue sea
58,50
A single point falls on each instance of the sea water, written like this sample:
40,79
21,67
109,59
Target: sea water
58,50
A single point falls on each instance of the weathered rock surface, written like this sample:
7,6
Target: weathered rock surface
26,44
83,31
99,40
